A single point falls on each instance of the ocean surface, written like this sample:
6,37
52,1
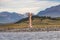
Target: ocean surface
52,35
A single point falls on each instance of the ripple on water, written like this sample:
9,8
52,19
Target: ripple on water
30,35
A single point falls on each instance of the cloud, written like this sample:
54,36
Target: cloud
47,0
23,6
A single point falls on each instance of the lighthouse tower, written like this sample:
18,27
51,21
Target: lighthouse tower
30,19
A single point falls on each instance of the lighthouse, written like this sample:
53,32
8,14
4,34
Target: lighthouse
30,19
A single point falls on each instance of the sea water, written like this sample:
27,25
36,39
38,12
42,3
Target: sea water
52,35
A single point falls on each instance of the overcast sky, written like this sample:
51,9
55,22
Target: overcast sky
23,6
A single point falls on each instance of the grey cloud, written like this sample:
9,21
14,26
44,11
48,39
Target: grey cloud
48,0
24,6
19,4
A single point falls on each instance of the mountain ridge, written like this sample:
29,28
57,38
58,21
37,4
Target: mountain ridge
9,17
53,11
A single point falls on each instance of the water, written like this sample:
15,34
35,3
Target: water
30,35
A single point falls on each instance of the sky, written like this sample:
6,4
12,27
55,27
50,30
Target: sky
23,6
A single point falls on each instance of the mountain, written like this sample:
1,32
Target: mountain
52,11
9,17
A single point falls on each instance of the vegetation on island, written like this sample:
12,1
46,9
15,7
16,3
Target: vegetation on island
37,22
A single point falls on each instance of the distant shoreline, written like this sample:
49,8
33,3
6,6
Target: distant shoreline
31,29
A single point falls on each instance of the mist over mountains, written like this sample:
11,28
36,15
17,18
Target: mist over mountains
52,12
9,17
12,17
